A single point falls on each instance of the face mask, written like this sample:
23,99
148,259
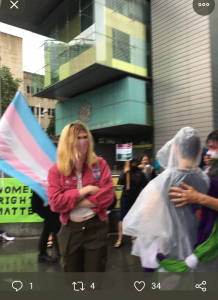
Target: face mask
213,154
83,145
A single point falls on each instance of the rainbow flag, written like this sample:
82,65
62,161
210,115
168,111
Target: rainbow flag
26,151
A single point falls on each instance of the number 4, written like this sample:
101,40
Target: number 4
92,286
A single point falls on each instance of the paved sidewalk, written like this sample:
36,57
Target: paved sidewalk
20,255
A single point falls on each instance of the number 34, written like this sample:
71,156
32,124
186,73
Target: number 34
155,286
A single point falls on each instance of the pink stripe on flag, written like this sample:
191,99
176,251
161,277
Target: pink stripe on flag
27,139
11,159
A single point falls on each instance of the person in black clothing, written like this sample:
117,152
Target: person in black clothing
137,183
51,224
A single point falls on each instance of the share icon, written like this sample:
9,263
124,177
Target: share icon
199,286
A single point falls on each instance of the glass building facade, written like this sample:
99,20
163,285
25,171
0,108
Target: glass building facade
97,62
114,33
115,104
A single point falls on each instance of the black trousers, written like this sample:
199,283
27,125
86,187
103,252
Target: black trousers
83,245
51,224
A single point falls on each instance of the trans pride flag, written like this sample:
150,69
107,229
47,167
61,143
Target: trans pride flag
26,152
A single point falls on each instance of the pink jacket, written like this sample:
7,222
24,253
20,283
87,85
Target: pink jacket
63,193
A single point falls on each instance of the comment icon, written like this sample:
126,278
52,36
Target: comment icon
17,285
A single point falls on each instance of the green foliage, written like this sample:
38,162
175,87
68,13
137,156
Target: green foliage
51,127
9,86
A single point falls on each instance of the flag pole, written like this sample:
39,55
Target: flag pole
1,107
0,86
128,175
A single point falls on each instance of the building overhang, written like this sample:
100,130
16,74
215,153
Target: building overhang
85,80
35,12
124,131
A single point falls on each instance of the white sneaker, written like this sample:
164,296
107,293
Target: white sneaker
7,238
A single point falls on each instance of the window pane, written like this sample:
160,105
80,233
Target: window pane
121,47
87,18
85,3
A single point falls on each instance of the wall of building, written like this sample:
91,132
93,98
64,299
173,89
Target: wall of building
118,103
12,57
45,104
121,40
11,53
181,59
214,61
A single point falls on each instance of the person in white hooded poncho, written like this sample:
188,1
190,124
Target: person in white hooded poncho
159,226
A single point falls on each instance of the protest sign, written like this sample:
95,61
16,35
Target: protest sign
15,202
124,153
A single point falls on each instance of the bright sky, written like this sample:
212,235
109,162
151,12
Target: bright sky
33,50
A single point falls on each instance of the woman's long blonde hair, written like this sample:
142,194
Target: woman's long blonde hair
69,137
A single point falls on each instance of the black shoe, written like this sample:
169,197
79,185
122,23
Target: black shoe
47,258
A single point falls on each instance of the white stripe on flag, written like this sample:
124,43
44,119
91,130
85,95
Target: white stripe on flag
124,151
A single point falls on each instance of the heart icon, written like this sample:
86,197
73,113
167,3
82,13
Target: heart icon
139,285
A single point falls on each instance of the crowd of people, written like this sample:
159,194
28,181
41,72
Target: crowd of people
153,210
160,212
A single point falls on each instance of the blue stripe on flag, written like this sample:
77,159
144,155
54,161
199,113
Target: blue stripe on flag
33,127
35,186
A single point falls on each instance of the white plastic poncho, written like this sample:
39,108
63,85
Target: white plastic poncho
159,226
